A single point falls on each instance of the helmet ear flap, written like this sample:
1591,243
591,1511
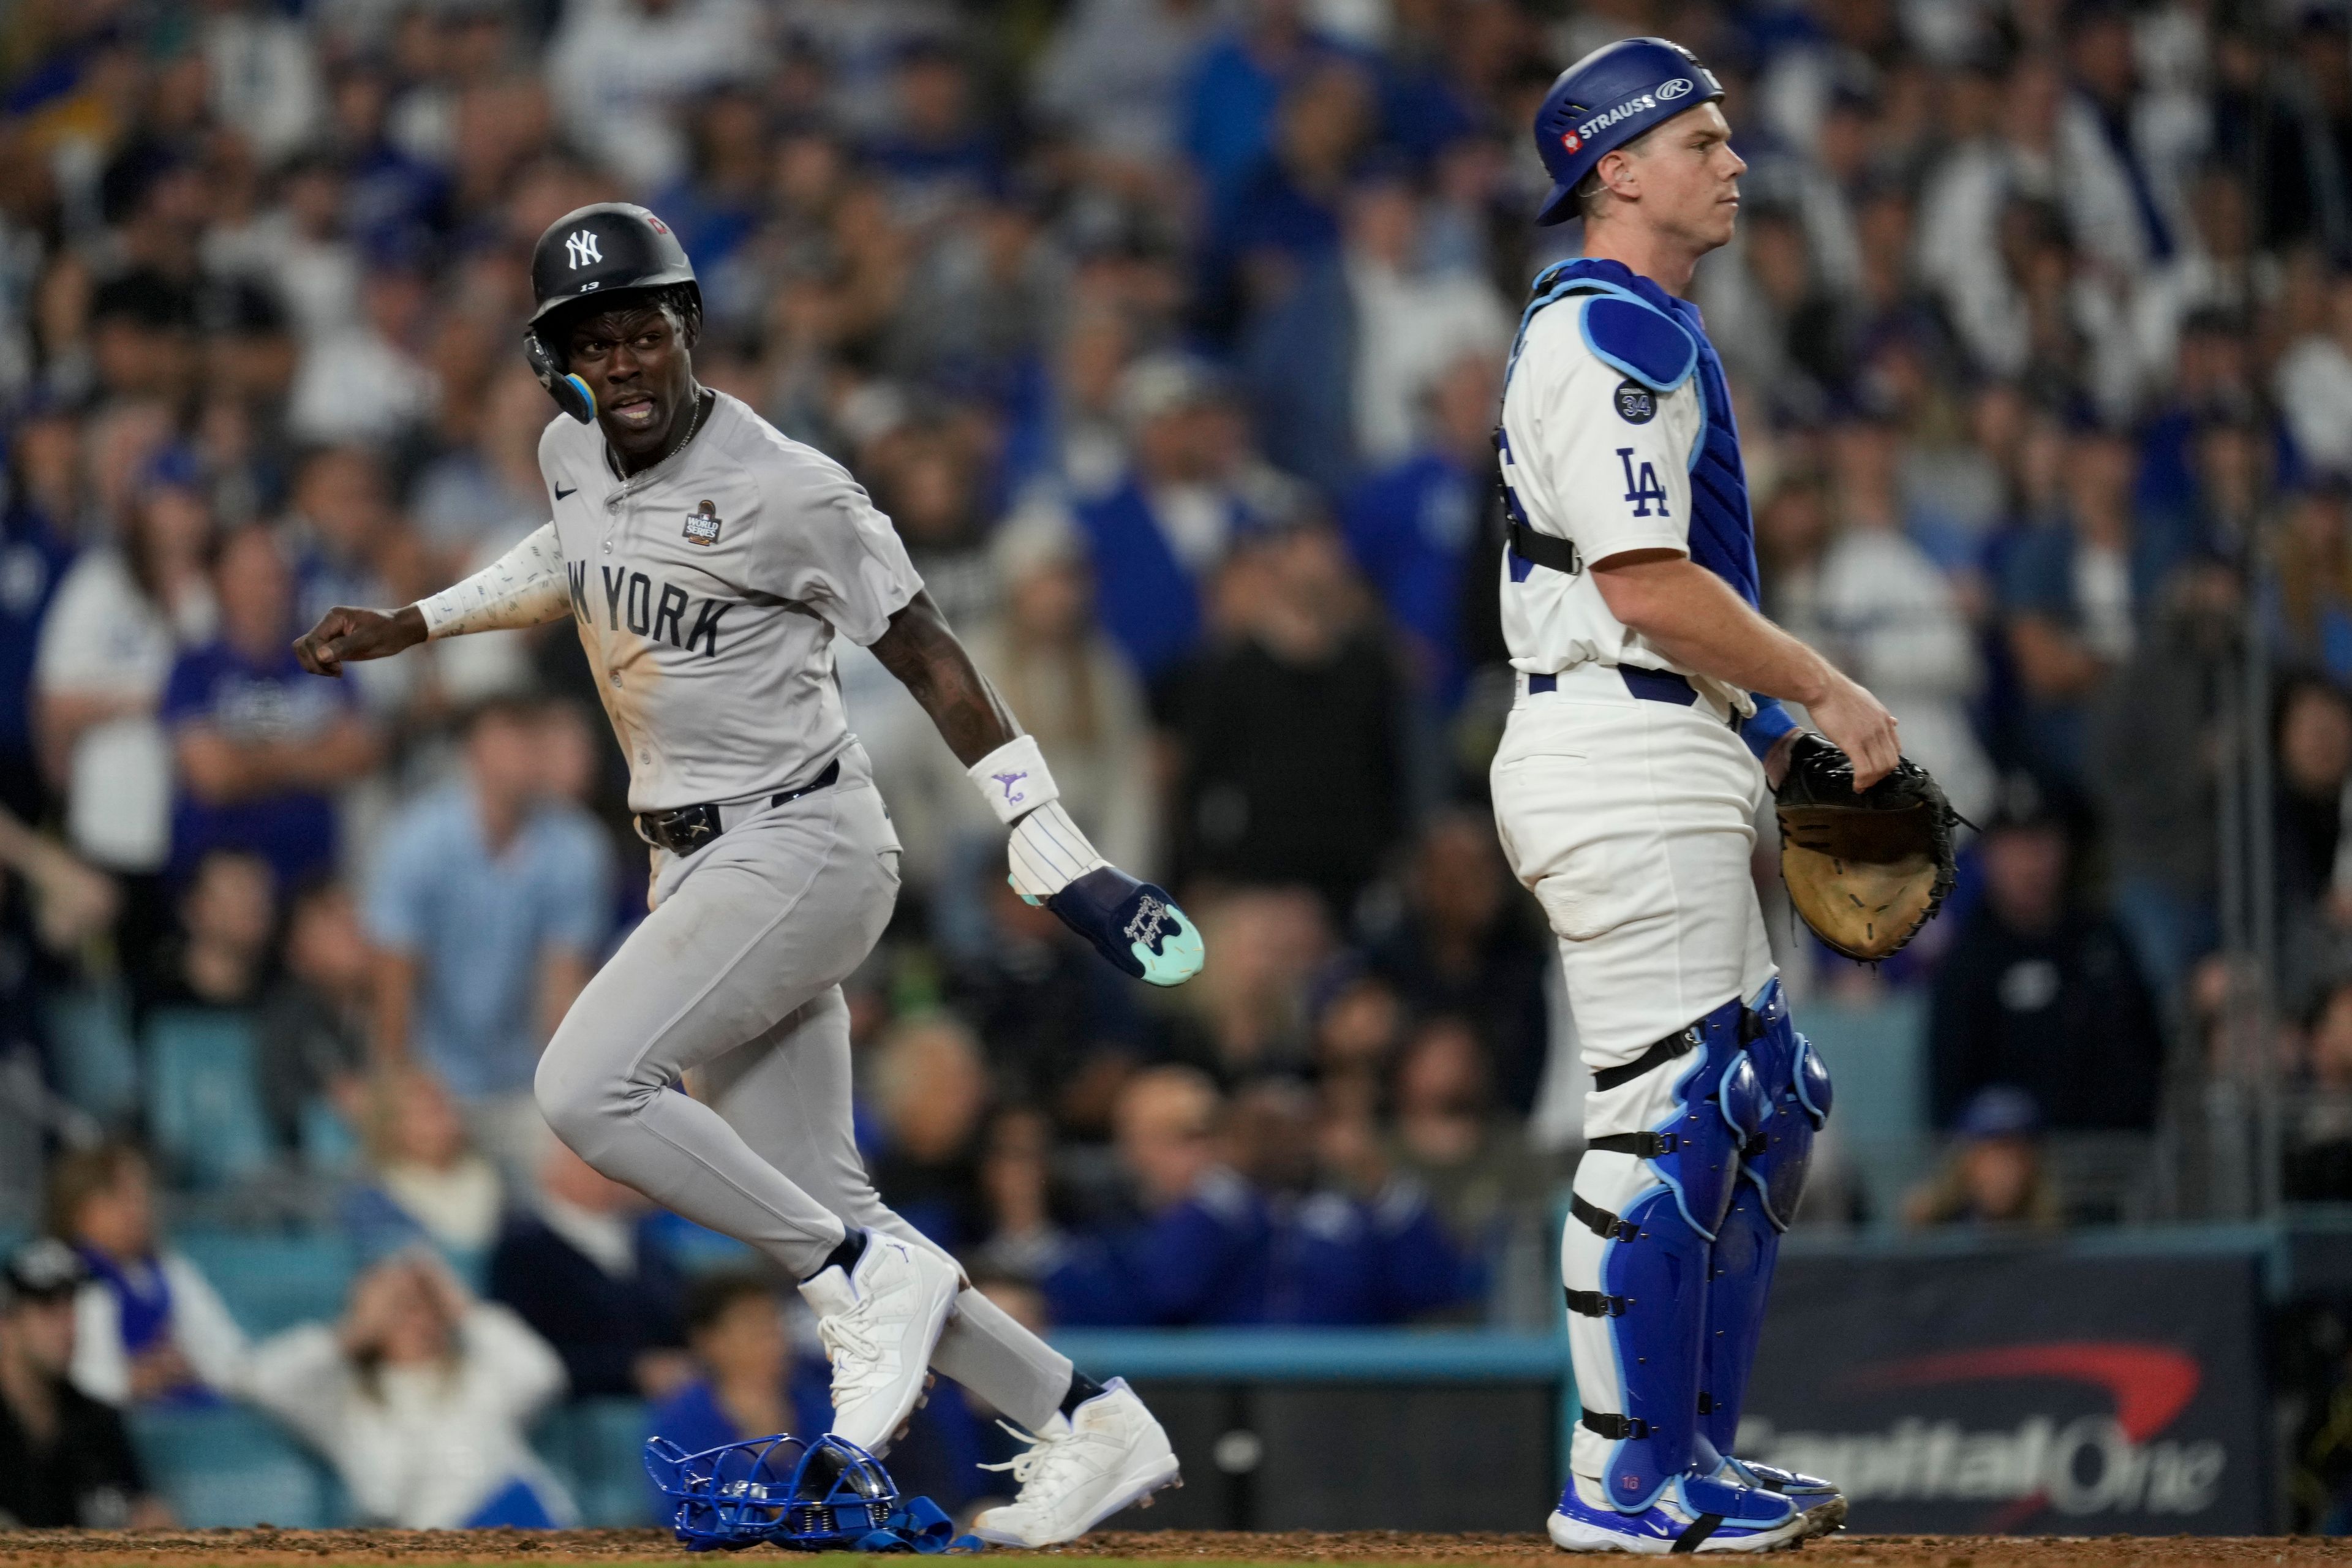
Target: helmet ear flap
570,393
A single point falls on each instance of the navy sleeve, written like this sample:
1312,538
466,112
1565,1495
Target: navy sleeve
1087,1290
1186,1260
2036,576
187,692
1420,1270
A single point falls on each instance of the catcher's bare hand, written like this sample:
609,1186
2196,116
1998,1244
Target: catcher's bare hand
1858,724
344,632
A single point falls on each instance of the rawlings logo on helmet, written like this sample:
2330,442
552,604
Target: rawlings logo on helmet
1673,89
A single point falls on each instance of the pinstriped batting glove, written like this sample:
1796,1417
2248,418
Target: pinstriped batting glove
1134,924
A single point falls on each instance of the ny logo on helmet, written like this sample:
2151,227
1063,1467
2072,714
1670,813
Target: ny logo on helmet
582,248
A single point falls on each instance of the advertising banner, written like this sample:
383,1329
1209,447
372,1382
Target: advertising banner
2036,1392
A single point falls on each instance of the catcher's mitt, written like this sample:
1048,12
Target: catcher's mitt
1866,870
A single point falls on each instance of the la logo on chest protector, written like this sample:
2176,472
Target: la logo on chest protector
702,524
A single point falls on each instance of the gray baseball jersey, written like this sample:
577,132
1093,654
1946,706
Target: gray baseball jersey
707,591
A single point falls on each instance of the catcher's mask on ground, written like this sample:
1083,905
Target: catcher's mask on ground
814,1494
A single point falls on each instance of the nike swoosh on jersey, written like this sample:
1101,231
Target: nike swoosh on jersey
561,492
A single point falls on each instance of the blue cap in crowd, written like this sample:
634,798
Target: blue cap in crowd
1998,1110
1607,98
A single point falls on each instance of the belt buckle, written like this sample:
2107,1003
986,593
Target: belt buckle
687,829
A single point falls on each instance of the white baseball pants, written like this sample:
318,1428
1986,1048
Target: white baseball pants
1633,822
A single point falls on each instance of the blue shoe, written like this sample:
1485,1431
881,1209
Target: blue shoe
1823,1504
1693,1514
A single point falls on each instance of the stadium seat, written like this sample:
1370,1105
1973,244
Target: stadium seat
328,1142
1877,1055
597,1446
224,1466
204,1099
95,1065
271,1282
2103,1178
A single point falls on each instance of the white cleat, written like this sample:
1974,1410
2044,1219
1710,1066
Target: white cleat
1082,1469
877,1324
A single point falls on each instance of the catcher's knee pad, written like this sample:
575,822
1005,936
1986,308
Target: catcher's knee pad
1653,1263
1772,1180
1796,1099
1718,1107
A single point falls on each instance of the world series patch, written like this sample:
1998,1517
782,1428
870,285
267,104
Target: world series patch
702,524
1636,403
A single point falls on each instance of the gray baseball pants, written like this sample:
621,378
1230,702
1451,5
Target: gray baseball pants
736,977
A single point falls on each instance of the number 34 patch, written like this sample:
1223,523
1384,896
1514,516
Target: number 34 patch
1636,403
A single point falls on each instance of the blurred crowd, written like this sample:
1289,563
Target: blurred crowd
1170,333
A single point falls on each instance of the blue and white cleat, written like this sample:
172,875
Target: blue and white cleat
1693,1514
1136,925
1821,1503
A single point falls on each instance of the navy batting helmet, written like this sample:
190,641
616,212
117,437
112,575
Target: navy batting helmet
607,248
1605,100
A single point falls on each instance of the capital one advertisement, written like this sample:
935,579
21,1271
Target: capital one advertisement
2033,1392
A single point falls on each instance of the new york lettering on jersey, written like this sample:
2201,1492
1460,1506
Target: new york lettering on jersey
708,590
658,611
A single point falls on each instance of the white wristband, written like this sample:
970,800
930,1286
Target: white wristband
1012,779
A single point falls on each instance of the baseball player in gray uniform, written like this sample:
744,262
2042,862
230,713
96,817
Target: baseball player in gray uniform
708,561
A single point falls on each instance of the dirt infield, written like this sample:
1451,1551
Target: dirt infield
254,1548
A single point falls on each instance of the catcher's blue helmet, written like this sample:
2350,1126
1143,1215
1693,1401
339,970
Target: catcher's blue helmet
814,1494
1605,100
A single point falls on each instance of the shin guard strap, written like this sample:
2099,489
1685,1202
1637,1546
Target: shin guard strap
1598,1304
1616,1428
1600,1221
1702,1527
1680,1043
1644,1145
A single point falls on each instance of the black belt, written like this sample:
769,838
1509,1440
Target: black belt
689,827
1649,685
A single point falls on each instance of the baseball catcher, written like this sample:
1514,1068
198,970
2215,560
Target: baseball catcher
1645,732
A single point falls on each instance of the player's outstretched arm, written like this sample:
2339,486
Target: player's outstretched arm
1134,924
1692,617
524,587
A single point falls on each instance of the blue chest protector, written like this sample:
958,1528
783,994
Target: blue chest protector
1634,326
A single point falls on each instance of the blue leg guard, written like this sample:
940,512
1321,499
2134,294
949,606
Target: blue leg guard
1654,1251
1796,1092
